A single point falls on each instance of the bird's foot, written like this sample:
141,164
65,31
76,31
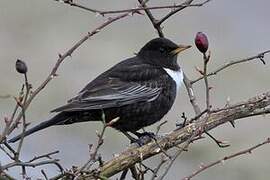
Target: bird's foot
144,138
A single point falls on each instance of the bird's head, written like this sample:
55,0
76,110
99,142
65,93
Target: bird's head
162,52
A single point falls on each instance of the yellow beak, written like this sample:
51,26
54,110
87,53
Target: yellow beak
180,49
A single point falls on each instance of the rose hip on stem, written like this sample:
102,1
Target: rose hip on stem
201,42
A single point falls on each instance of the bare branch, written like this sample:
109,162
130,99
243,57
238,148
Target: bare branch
259,56
246,151
29,164
137,9
191,95
184,5
205,77
152,19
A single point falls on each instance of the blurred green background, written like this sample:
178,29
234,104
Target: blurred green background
37,30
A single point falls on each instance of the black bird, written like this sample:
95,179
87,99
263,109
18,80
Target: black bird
138,91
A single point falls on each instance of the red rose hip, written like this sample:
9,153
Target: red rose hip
201,42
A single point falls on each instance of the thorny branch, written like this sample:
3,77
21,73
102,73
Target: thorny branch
221,161
207,88
175,8
259,56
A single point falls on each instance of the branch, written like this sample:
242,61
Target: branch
191,95
185,4
134,155
104,12
151,18
259,56
30,164
205,77
246,151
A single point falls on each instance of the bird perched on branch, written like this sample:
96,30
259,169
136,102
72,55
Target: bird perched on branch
137,92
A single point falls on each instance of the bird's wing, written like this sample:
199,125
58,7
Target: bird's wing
112,91
111,95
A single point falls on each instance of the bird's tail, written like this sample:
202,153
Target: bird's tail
57,119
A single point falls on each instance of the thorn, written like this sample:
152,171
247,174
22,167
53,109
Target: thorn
27,124
199,70
98,14
90,147
209,54
223,162
18,100
7,120
232,123
97,133
228,101
221,144
261,57
138,12
201,165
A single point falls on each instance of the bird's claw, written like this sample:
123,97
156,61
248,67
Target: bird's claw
143,138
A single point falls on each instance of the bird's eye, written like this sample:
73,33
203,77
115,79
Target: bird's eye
162,49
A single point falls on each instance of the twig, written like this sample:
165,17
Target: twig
105,12
185,4
134,172
44,156
259,56
163,160
124,174
184,147
6,152
191,95
44,174
6,176
93,155
159,127
28,88
207,88
100,141
171,163
246,151
28,164
10,120
152,19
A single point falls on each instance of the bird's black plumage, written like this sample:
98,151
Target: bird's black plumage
138,91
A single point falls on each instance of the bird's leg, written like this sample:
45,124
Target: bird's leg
144,137
143,134
132,139
220,144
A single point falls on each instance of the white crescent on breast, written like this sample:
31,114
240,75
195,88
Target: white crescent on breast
177,76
